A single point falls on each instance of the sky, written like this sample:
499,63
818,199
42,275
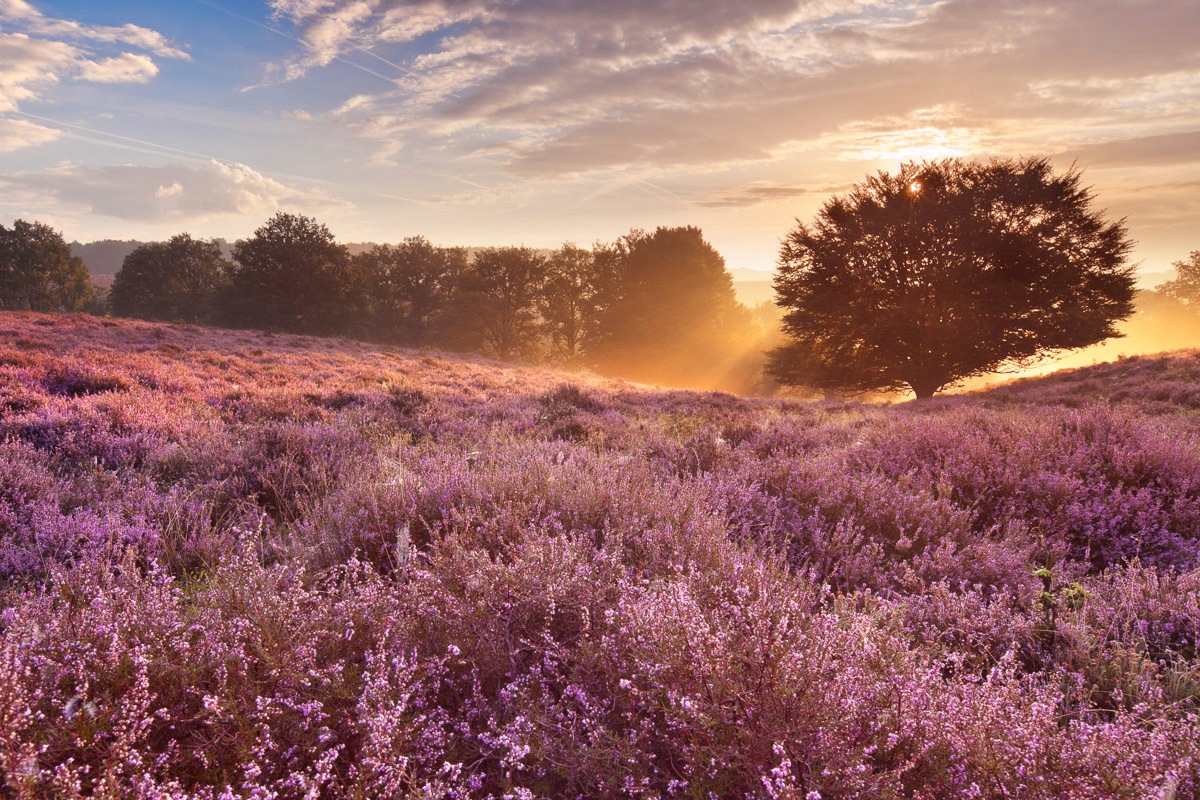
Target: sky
537,122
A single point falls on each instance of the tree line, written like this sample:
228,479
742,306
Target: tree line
655,306
912,281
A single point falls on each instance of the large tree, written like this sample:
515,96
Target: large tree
666,309
38,272
946,270
291,275
178,279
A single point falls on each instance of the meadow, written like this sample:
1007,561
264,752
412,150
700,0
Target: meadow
242,565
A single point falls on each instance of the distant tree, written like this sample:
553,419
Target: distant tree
291,275
495,305
947,270
568,299
1185,289
409,287
666,309
179,279
38,272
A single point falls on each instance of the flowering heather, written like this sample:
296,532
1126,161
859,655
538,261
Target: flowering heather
235,565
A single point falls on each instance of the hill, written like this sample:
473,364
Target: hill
235,564
104,257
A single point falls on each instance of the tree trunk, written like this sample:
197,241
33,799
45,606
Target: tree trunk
924,389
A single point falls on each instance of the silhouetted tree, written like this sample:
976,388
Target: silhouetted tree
947,270
568,299
666,309
38,272
409,287
292,275
495,304
1185,289
179,279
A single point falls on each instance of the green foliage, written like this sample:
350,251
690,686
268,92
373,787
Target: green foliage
946,270
292,275
174,280
38,272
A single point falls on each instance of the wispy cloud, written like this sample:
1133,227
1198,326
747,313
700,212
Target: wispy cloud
554,87
754,195
1167,149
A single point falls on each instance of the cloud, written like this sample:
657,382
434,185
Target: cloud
170,193
17,133
553,87
33,21
28,64
754,195
1167,149
37,52
125,68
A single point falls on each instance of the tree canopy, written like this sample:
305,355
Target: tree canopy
292,275
496,300
656,307
174,280
946,270
567,300
1185,288
409,286
38,271
666,309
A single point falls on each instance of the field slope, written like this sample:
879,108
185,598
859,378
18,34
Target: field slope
241,565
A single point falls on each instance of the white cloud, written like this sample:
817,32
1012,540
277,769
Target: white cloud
33,21
16,134
125,68
27,65
37,52
170,193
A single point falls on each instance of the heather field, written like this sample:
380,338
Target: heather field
236,565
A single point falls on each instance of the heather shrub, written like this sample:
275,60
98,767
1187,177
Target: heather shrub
1105,482
1133,638
277,566
19,391
70,380
45,537
287,467
369,520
